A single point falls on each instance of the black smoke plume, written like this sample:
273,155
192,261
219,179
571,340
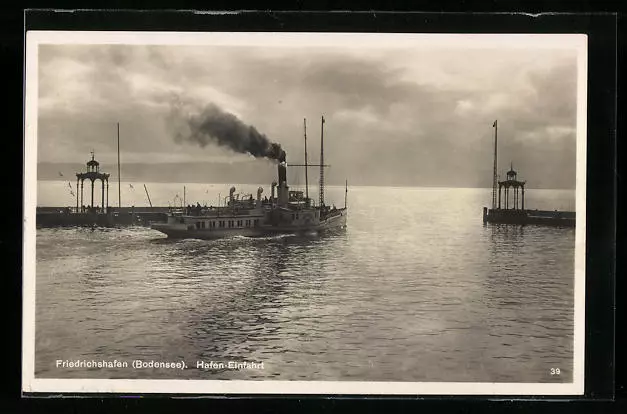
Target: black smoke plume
213,125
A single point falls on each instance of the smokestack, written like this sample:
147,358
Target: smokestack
274,184
283,187
282,170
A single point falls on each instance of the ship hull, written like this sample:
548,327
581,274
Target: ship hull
337,221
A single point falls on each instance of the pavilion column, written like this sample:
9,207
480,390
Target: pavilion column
92,194
506,197
500,187
77,183
102,204
82,183
523,197
515,198
107,195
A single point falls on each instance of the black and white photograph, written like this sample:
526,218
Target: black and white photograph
304,213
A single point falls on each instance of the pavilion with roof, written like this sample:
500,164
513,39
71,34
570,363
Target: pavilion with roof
92,174
516,188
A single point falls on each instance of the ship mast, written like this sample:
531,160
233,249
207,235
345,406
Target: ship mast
322,165
306,168
494,172
322,162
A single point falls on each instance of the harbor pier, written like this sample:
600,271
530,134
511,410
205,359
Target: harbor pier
97,215
509,206
125,216
522,217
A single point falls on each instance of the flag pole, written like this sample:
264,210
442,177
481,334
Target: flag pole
495,171
321,189
306,168
119,179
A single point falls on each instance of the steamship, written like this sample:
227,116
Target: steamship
284,212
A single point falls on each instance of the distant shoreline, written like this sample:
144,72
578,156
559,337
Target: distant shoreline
256,172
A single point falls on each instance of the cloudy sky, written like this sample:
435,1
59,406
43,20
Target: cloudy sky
403,115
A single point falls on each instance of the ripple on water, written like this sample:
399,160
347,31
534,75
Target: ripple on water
403,295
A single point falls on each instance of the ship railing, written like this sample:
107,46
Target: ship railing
177,211
213,211
332,212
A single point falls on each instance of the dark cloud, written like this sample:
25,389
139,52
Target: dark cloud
213,125
403,116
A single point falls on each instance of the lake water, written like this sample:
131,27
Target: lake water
415,289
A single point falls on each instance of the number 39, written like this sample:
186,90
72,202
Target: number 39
555,371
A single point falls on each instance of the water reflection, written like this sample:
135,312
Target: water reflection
529,300
402,295
244,312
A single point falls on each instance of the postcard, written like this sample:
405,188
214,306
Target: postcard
304,213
